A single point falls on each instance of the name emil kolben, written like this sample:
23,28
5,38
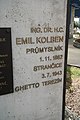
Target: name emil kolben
39,40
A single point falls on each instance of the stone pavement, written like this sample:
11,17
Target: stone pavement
70,116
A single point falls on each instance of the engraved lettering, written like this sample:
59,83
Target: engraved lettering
55,57
3,83
3,55
48,29
50,58
58,29
36,30
27,40
27,86
50,39
57,73
2,39
46,67
50,82
44,49
2,65
48,75
2,62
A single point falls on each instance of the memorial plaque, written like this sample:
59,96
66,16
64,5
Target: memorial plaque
6,78
38,30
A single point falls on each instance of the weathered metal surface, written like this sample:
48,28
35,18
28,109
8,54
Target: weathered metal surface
6,75
38,49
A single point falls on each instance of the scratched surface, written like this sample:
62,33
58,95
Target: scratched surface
38,30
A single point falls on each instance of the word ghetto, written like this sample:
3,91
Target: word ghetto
37,85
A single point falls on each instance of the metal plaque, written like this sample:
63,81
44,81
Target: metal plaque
6,77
